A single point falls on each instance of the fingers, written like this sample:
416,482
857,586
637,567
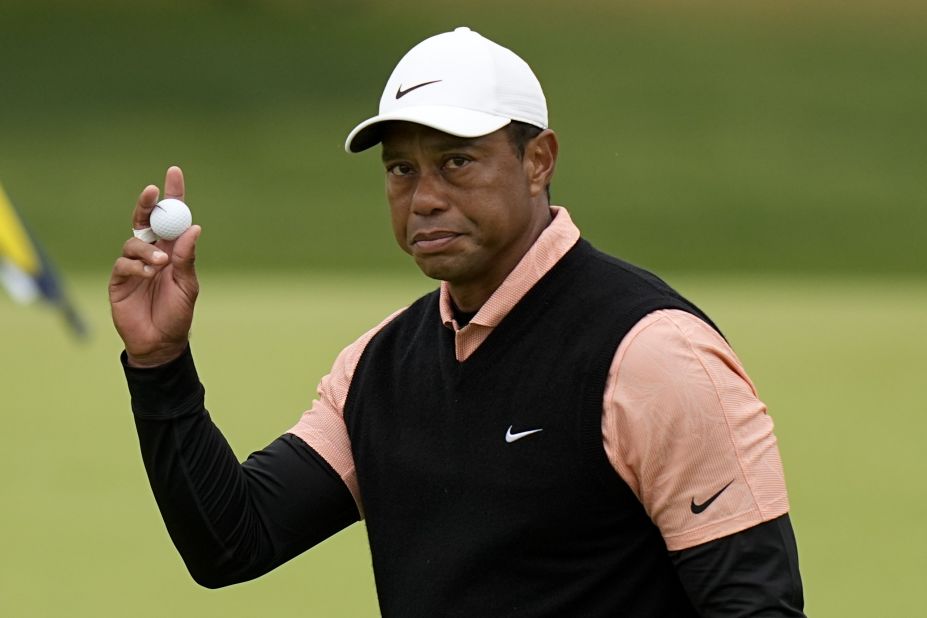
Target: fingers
183,257
173,187
173,183
139,259
142,259
140,250
125,269
143,207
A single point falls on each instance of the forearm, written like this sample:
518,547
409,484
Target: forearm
201,492
230,522
751,573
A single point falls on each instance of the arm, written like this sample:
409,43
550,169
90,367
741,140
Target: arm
683,426
749,573
229,522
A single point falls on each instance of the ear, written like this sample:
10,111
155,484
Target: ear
540,161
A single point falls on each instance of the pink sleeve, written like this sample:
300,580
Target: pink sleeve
684,428
322,426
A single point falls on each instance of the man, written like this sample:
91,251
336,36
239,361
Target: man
553,432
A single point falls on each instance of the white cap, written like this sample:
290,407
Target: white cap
460,83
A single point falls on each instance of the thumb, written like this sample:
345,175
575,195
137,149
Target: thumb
183,257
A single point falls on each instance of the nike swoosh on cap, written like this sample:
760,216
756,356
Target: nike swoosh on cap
401,93
512,437
698,508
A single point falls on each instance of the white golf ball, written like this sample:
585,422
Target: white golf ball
170,218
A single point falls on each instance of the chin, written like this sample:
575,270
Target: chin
437,267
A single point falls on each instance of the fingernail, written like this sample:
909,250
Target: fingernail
158,255
148,269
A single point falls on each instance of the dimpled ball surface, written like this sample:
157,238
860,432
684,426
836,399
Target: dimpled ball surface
170,218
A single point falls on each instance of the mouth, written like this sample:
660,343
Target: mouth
432,241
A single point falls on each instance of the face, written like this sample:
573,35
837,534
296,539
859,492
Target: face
466,209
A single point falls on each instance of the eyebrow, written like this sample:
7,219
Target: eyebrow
451,142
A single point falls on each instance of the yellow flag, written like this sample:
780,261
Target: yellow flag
15,243
26,272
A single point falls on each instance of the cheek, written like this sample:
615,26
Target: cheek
399,217
509,211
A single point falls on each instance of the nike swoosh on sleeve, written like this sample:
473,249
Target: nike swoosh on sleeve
698,508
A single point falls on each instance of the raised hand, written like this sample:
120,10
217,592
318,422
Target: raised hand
153,287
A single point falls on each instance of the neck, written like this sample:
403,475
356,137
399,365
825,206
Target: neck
469,299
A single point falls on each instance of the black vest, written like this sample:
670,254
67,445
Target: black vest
463,522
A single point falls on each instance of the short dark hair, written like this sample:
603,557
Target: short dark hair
520,133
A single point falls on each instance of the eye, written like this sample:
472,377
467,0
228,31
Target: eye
399,169
456,162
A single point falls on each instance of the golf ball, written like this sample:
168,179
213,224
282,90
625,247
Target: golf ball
170,218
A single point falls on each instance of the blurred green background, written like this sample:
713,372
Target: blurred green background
766,158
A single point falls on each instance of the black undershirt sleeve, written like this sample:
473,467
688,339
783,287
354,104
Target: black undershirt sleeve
231,522
751,573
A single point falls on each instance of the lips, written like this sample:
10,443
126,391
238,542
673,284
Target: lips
433,241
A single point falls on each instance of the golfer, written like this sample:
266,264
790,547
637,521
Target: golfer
551,432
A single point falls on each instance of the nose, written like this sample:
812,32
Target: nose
429,196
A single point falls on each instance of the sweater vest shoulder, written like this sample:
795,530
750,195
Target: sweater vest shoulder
485,483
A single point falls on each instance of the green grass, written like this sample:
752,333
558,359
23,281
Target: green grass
840,362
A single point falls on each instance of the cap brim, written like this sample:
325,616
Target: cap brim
452,120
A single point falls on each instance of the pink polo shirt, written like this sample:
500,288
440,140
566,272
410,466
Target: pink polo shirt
681,420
